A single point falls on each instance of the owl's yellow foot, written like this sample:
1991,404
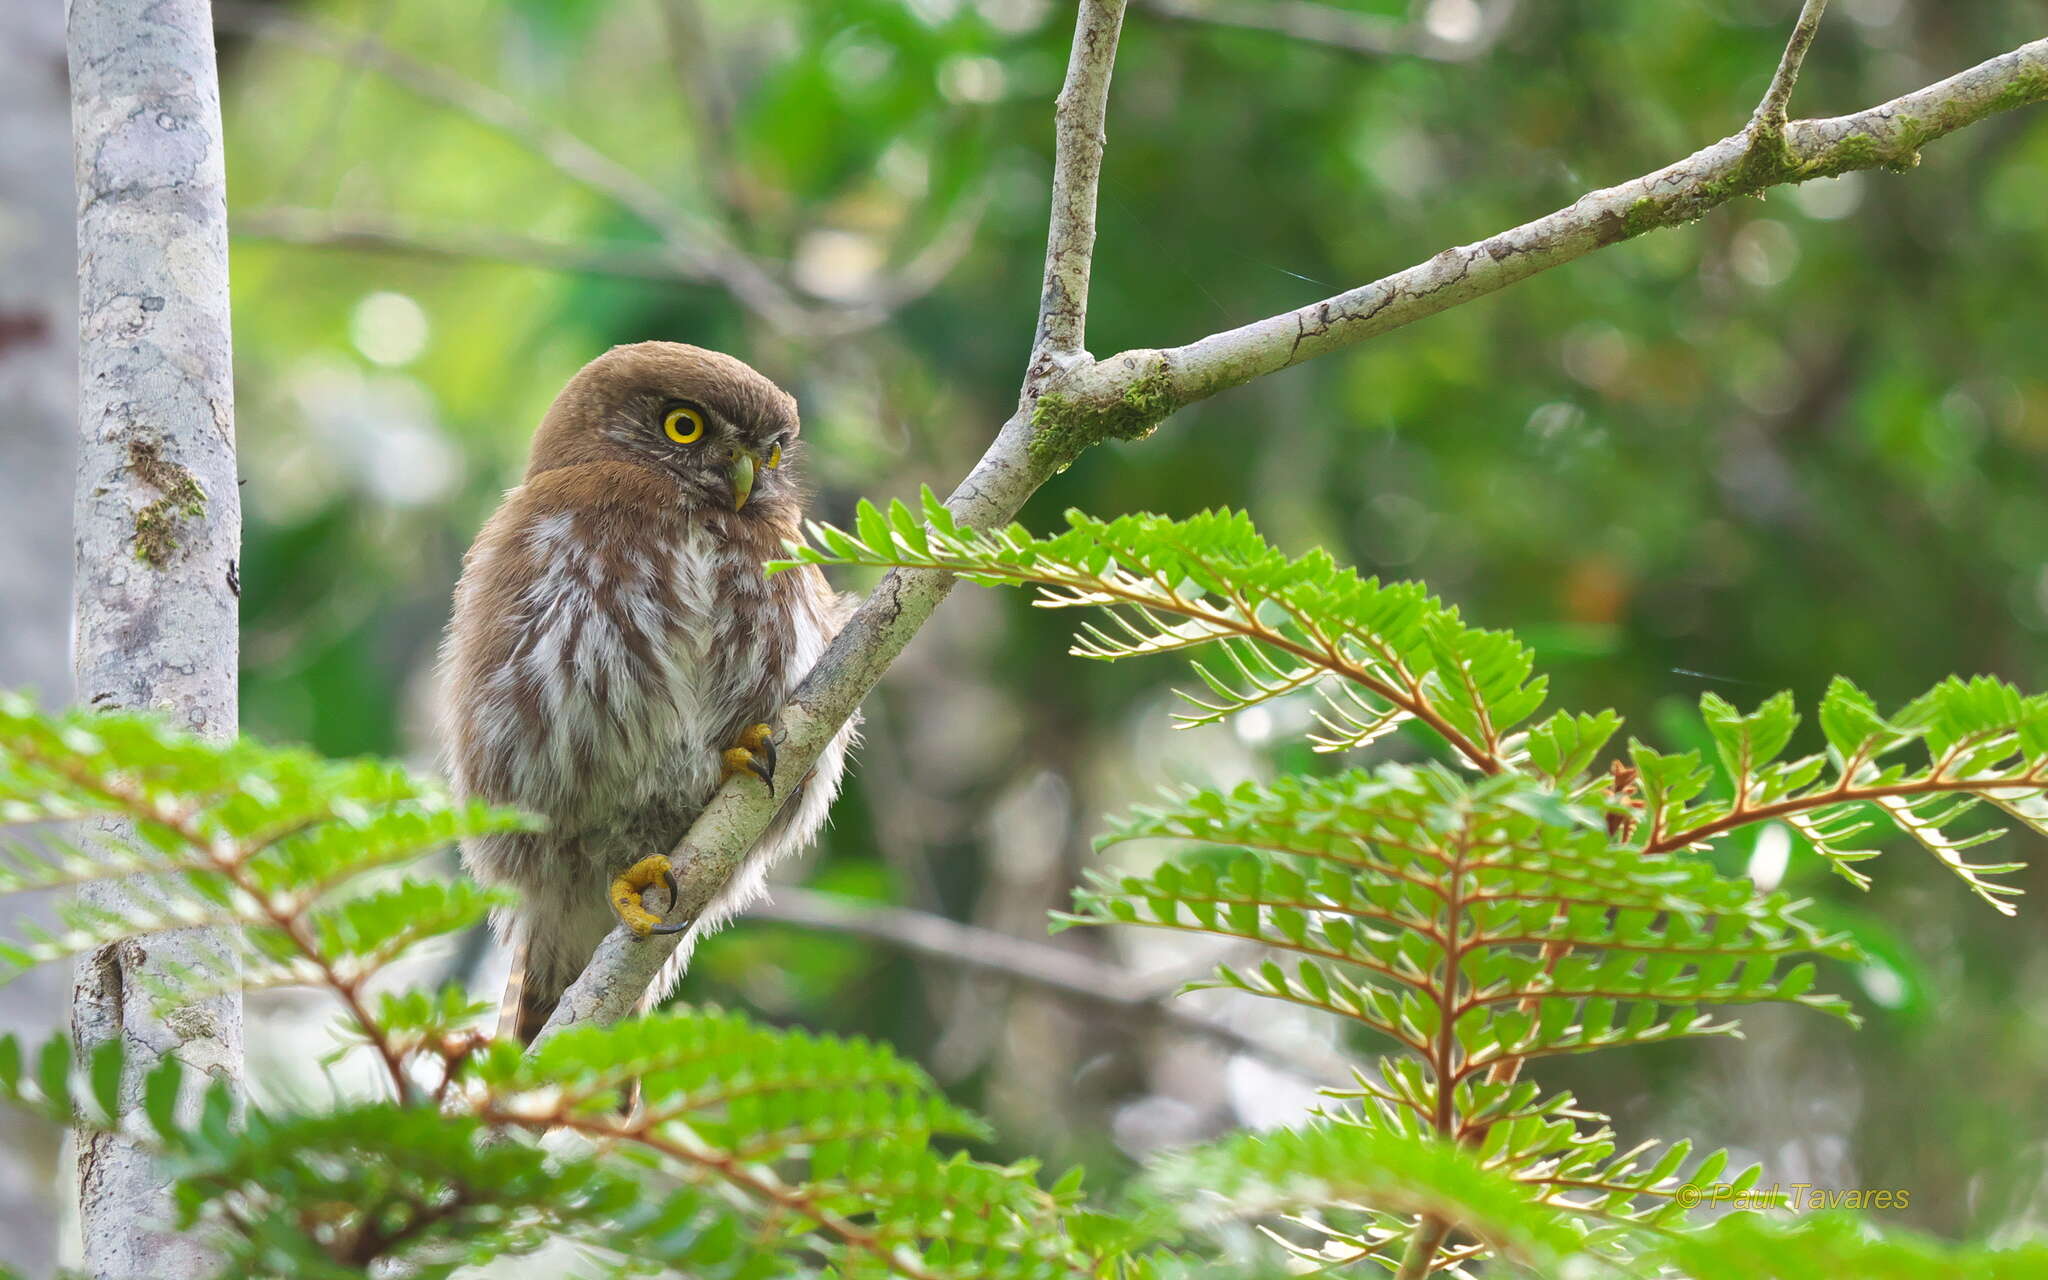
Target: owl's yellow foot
625,895
755,754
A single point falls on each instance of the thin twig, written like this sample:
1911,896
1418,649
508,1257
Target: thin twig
1367,35
700,76
1886,136
693,249
316,228
1770,113
1078,124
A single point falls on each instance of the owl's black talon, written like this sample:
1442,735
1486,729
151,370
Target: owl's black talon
625,895
680,926
755,753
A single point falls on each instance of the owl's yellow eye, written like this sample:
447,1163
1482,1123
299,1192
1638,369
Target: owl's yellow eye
684,426
775,457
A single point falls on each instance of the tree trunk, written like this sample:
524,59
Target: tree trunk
157,523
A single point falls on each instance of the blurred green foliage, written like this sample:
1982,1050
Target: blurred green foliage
1804,436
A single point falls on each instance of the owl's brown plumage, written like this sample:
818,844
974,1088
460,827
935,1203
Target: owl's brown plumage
613,632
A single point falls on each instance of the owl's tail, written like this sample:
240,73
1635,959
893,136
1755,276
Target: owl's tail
528,1005
529,1002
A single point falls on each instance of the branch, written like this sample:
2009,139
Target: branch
371,234
1364,34
691,251
1037,964
1126,395
993,492
1770,113
1062,413
1078,120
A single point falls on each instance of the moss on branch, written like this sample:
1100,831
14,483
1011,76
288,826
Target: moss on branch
1125,398
158,523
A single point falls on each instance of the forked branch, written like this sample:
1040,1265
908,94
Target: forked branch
1062,413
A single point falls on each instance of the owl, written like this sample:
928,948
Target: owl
616,651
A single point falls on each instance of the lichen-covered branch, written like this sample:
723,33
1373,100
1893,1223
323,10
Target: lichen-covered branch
1071,404
158,529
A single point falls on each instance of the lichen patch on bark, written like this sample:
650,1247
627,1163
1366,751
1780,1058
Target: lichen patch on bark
157,525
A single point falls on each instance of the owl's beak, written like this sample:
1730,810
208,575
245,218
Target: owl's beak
741,473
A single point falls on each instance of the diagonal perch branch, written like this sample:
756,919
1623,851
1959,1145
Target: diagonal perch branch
1127,395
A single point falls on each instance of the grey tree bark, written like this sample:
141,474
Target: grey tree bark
157,524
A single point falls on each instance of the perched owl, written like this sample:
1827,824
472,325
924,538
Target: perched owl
616,651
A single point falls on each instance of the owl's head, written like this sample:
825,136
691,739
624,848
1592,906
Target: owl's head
725,433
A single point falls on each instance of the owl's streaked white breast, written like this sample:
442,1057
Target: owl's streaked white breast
624,666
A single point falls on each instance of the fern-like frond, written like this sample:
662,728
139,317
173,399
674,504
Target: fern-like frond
1543,1189
192,832
1475,924
1382,653
1365,1185
829,1136
1979,740
1368,881
223,831
726,1075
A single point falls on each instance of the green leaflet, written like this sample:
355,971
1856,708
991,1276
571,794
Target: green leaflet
1530,895
1751,1246
1565,942
226,834
1378,654
1543,908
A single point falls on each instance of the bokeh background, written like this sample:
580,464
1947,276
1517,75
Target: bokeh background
1807,435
